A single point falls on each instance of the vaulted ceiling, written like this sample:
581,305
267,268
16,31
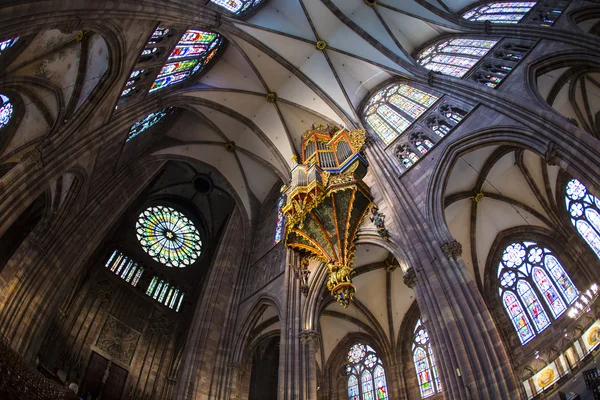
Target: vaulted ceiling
275,51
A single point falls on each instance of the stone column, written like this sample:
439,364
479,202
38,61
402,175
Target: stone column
461,328
238,372
310,341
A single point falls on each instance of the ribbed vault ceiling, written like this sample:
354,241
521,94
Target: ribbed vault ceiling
275,51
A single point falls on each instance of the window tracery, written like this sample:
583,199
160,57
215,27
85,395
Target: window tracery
393,109
165,293
455,57
124,267
280,226
6,111
424,360
500,12
237,6
526,273
365,367
168,236
147,122
584,210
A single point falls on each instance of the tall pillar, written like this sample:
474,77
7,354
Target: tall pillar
310,341
468,348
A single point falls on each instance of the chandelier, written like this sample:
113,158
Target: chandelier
583,304
326,202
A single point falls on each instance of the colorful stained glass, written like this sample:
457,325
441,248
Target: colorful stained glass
280,226
237,6
7,44
454,57
175,67
584,209
6,111
152,285
500,12
380,384
363,362
187,51
124,267
353,388
549,293
423,372
168,236
518,317
395,120
146,123
412,109
179,302
424,361
525,262
381,128
199,47
160,32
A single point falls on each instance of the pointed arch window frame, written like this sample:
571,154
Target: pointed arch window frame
583,211
514,10
365,380
534,305
418,99
424,362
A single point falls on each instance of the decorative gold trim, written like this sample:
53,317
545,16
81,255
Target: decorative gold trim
271,97
321,45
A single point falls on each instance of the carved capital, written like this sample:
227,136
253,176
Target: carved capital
551,156
410,278
452,250
310,337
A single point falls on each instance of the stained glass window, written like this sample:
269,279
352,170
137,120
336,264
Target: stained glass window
528,272
500,12
168,236
454,57
424,361
147,122
124,267
237,6
165,293
364,364
193,52
6,111
7,44
280,226
584,209
394,108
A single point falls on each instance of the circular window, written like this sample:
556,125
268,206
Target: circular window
6,111
168,236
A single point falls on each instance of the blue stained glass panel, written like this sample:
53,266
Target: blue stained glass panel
353,388
6,111
146,123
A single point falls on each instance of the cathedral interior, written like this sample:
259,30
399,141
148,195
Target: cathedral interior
299,199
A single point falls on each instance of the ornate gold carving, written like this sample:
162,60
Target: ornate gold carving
452,250
410,278
478,197
118,340
340,284
321,45
294,158
79,35
271,97
357,139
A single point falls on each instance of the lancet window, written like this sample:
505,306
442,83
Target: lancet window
237,7
6,111
147,122
166,61
165,293
584,209
454,57
124,267
366,375
424,360
393,109
500,12
7,44
534,288
280,226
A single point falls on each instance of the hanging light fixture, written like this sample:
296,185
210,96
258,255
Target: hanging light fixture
583,304
326,202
